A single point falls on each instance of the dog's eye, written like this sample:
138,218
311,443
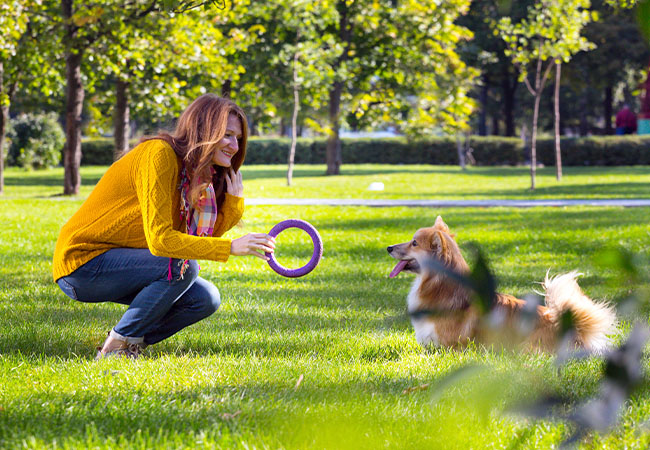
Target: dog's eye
414,243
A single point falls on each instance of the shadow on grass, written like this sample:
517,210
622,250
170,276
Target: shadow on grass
604,190
224,411
500,219
55,326
280,171
216,413
342,295
30,179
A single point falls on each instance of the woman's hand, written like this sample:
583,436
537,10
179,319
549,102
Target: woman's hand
255,244
234,185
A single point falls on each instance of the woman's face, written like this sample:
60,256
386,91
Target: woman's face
228,146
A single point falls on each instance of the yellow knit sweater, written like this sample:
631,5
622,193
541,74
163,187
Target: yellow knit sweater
136,204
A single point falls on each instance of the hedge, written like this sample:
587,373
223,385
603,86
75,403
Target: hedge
491,150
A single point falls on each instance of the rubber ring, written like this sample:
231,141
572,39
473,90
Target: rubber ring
315,257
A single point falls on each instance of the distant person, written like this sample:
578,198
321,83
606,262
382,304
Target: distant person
157,209
625,121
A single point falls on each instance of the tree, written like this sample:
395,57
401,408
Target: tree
308,58
497,88
549,35
15,22
615,66
23,58
83,25
307,52
375,50
158,64
397,66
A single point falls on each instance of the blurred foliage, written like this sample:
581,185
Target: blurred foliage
36,141
643,15
623,372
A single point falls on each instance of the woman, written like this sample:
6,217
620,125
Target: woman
161,206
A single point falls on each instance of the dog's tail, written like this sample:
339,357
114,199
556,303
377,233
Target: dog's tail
593,321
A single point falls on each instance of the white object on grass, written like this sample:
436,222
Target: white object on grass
376,186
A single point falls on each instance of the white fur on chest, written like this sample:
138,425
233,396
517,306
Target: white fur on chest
425,328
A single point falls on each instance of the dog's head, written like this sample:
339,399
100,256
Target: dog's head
435,241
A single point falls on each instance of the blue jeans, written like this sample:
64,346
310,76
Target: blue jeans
158,307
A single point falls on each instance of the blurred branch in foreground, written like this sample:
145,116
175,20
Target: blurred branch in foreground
623,367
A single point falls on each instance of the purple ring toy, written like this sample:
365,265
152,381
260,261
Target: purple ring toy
315,257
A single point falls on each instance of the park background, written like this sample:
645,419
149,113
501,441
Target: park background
480,99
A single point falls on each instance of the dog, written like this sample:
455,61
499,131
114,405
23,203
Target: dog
443,314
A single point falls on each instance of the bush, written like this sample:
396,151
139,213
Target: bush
486,150
97,151
100,151
36,141
597,151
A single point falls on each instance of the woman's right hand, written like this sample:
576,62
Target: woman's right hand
255,244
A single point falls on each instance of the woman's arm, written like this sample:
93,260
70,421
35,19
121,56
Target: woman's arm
228,215
156,182
232,209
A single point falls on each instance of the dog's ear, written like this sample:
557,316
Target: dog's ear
441,225
439,248
436,244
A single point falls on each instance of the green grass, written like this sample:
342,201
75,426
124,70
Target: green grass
400,182
230,381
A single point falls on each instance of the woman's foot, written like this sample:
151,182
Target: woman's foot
117,347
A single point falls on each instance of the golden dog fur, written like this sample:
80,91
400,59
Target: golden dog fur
456,320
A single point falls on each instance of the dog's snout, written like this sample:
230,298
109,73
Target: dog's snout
389,249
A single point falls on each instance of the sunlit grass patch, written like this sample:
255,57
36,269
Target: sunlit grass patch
324,361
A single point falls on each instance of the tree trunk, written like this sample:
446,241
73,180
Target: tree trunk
333,155
584,125
509,91
533,141
483,99
540,81
333,149
122,130
9,92
252,125
73,108
495,124
460,147
283,128
4,118
558,153
608,108
226,87
294,120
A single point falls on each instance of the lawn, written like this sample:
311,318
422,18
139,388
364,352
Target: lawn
324,361
400,182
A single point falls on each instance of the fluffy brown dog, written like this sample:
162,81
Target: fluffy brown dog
456,320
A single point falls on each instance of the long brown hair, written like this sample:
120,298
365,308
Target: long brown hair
198,130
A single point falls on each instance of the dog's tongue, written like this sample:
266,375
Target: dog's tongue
398,268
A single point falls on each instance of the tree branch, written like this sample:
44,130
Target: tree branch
526,81
134,15
546,73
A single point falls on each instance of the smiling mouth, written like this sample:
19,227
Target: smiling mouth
228,154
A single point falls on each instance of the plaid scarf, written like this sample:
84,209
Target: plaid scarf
200,219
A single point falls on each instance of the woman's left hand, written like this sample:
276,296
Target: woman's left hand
234,185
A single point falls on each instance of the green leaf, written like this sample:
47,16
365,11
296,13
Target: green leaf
643,17
504,6
618,259
484,282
